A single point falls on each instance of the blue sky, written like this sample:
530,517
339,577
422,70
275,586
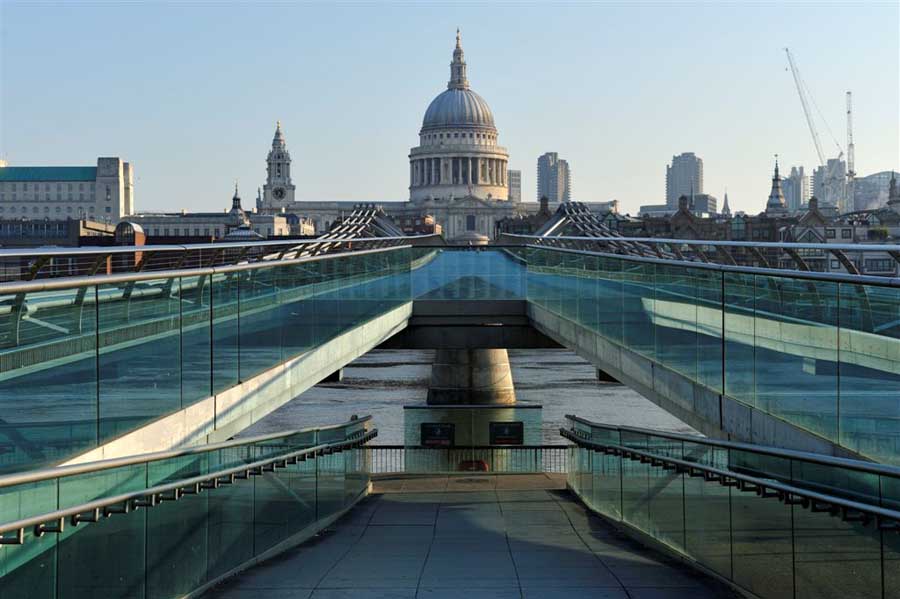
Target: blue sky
190,92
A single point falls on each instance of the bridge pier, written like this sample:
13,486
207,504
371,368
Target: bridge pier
335,377
471,377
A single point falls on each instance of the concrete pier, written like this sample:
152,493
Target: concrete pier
471,377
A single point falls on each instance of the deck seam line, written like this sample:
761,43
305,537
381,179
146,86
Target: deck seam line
508,546
345,553
588,547
437,514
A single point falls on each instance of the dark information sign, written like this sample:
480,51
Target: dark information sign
507,433
438,434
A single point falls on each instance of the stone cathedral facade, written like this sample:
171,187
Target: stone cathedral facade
458,173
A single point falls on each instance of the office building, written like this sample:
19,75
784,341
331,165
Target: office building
554,178
683,177
103,193
515,186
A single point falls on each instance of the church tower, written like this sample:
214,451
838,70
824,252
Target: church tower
278,191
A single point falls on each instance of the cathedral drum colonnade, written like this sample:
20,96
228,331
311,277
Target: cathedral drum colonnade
458,155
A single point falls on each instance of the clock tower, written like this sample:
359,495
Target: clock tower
278,192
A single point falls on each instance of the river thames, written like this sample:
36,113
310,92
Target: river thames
383,381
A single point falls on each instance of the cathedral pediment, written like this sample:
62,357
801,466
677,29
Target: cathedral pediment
469,202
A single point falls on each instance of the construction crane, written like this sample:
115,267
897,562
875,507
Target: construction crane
801,91
851,170
833,181
851,151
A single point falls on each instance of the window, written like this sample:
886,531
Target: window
196,231
829,233
46,187
80,197
846,233
70,187
470,222
834,264
108,209
24,186
69,210
81,187
879,265
206,231
58,209
166,232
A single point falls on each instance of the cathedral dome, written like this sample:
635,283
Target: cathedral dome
458,108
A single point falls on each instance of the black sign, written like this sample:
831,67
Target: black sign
438,434
507,433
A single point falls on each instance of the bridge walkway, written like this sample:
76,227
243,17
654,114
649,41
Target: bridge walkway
471,536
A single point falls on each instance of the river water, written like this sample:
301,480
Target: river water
383,381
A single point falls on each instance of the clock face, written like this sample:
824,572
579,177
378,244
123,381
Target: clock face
278,192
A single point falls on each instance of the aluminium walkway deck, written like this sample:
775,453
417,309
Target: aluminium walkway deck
472,537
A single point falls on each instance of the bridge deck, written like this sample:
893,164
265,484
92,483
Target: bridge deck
471,536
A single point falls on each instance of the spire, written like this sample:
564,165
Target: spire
726,209
236,199
278,140
458,67
776,202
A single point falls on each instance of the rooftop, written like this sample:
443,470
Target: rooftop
48,173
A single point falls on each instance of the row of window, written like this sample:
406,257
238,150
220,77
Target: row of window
37,186
59,210
206,231
432,137
166,232
36,198
845,234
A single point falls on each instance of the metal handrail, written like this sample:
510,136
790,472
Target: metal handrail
854,247
96,466
754,270
791,454
885,518
126,502
130,249
466,447
88,281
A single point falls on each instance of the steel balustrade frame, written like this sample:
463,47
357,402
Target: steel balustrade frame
790,454
31,476
752,270
154,496
884,518
723,248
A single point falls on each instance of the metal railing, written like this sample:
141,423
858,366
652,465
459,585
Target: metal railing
765,255
396,459
776,523
172,524
52,262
